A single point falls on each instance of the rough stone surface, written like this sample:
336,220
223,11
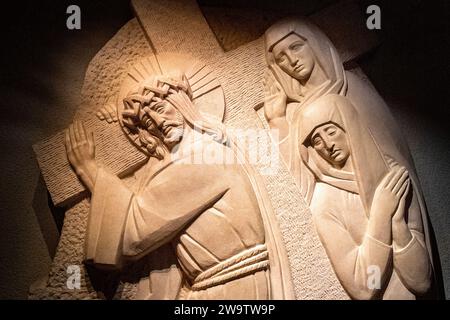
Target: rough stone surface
306,254
312,274
103,79
243,92
42,74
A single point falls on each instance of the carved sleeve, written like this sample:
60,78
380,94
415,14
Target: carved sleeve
122,224
178,195
354,263
411,262
110,204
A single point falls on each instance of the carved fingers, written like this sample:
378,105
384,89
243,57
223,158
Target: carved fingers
396,175
391,190
402,182
270,84
274,98
391,162
68,143
108,112
80,146
399,214
404,188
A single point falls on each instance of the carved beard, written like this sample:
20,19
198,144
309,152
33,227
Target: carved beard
176,133
152,142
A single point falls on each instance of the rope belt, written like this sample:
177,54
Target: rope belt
244,263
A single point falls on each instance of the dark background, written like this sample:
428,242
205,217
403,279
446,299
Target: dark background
42,70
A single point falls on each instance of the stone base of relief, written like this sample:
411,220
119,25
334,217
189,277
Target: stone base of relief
239,71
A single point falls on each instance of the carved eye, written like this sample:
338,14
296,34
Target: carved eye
160,109
296,46
316,142
331,130
281,59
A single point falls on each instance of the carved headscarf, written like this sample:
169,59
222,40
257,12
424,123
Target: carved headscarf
327,57
325,54
368,161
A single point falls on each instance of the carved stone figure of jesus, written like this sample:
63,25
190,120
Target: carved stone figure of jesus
212,215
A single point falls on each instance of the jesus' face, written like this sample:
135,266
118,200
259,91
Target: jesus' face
168,121
331,144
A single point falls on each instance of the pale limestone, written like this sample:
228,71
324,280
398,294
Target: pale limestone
312,275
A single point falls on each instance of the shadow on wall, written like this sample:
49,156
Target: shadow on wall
49,217
42,71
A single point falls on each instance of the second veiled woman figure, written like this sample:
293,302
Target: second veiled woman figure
303,67
364,205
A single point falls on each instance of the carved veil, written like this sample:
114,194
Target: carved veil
370,163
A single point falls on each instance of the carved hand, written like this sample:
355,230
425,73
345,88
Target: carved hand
390,191
108,112
401,235
399,215
275,99
385,201
80,150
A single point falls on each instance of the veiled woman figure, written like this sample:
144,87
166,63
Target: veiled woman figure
364,205
303,66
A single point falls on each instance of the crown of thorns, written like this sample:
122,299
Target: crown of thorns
137,105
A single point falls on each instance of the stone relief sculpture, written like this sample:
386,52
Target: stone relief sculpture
230,230
364,204
222,230
303,68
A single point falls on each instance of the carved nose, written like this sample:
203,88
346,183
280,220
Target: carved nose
292,59
329,145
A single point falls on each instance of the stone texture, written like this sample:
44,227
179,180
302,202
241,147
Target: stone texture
243,90
103,79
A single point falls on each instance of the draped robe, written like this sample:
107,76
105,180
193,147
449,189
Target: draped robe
210,215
